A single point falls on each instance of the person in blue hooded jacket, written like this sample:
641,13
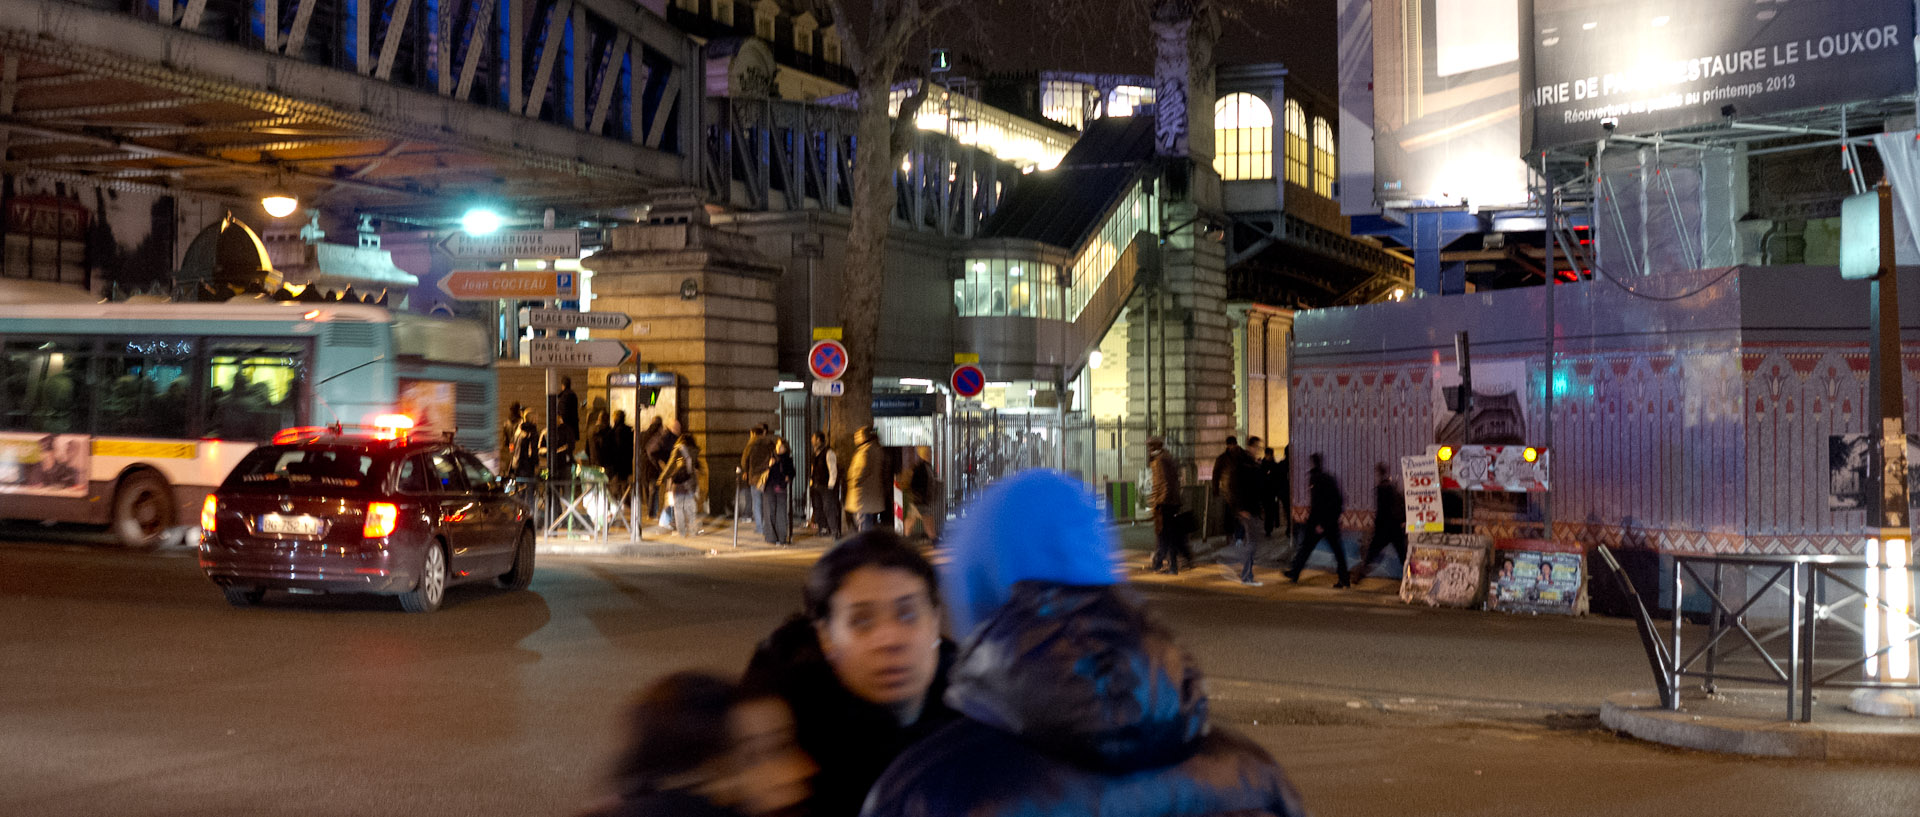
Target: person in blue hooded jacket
1074,700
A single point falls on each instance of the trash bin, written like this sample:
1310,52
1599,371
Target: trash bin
1122,500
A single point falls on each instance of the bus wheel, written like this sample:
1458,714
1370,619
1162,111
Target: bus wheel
142,510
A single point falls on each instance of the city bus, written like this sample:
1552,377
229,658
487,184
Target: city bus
128,414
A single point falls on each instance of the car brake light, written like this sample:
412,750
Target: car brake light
208,510
381,518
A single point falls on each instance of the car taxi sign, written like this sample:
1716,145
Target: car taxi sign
968,380
827,359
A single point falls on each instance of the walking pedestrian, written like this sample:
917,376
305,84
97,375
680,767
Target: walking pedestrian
598,438
865,483
863,665
1325,503
1240,483
777,485
916,492
700,746
564,407
1169,522
1074,699
1389,522
658,450
526,447
682,475
753,470
618,454
1274,481
1221,466
823,486
508,430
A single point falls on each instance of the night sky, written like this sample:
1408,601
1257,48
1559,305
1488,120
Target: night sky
1029,35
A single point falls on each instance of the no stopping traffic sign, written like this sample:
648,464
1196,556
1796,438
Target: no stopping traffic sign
968,380
827,360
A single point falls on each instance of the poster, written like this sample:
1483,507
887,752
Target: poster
1499,404
45,464
1421,476
1445,569
1445,81
1536,576
1650,65
1848,458
429,402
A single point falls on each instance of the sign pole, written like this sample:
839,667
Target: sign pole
1889,547
1552,207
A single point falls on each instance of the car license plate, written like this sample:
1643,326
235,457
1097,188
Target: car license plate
290,525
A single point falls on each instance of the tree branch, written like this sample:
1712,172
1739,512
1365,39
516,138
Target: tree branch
904,124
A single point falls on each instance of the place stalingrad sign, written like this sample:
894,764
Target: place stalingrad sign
543,318
550,352
489,285
509,244
1650,65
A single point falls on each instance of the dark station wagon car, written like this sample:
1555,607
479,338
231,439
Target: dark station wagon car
362,510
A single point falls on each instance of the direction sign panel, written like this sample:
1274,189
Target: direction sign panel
507,244
827,359
968,380
569,319
561,352
488,285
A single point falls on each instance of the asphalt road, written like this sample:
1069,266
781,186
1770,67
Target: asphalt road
128,687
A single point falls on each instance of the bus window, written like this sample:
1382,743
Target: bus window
143,386
253,388
41,386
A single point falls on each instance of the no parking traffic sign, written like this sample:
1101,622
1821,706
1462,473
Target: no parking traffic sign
968,380
827,359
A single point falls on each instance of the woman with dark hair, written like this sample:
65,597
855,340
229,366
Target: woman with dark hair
700,746
863,665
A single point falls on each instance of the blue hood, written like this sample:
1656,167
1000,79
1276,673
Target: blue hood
1036,525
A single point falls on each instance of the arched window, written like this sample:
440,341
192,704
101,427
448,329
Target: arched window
1325,167
1242,138
1297,144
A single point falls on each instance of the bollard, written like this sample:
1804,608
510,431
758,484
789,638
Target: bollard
736,508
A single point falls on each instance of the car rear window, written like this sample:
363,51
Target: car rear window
282,468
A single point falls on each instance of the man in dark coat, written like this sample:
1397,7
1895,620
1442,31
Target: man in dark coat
1325,503
1242,487
1389,522
1075,701
821,662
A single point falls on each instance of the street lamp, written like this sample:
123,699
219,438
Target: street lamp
481,221
279,203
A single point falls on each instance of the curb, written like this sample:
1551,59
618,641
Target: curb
1639,714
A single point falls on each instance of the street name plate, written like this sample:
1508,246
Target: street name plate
507,244
544,318
559,352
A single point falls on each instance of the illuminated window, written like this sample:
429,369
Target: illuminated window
803,28
1066,102
830,46
1124,98
723,12
687,5
1297,144
763,26
1324,166
1243,138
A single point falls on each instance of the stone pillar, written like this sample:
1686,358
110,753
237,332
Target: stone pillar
702,303
1197,346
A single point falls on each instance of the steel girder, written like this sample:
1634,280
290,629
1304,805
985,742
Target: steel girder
567,97
762,154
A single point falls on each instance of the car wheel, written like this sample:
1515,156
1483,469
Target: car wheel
522,573
426,594
244,596
142,510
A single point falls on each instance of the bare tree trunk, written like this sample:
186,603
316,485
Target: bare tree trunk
864,277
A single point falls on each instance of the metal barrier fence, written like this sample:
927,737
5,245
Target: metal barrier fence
592,509
1816,590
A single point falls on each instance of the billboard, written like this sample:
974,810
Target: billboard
1651,65
1446,92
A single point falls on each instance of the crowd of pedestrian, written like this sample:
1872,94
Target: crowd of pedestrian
1022,677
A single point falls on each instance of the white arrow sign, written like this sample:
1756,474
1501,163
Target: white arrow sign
507,244
559,352
569,319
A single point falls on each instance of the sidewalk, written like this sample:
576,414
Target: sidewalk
715,537
1748,722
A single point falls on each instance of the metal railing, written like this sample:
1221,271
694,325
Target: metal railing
1777,650
582,508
